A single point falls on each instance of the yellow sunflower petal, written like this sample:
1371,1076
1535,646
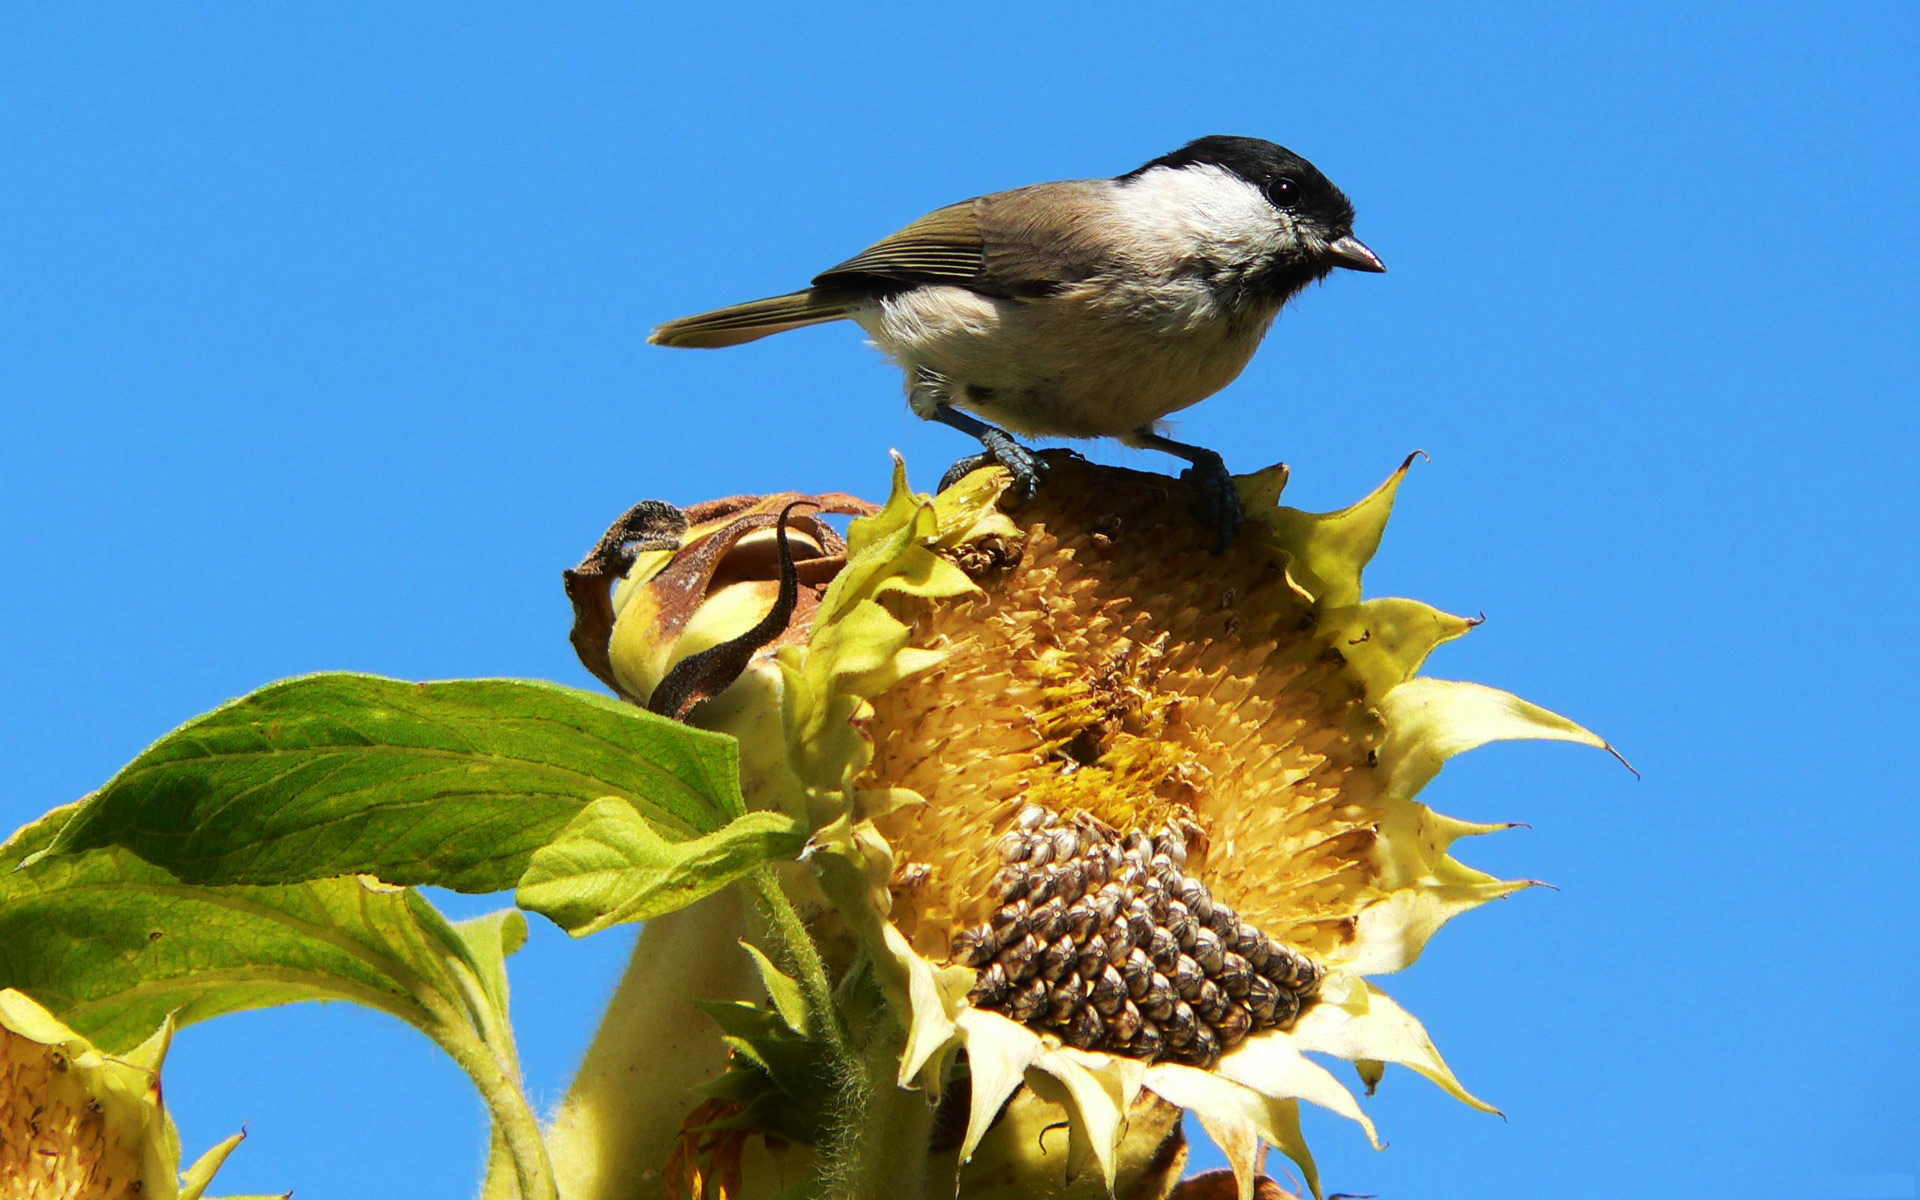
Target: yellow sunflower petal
1330,550
998,1055
76,1121
1095,1096
1239,1120
1357,1021
195,1180
1431,720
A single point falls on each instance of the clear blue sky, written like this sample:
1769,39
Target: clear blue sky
322,347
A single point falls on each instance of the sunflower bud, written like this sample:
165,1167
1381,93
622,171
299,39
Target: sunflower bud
666,594
665,584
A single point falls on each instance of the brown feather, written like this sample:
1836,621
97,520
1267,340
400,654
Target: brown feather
1027,242
1042,238
941,247
753,320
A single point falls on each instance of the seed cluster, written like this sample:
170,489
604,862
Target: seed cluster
1105,940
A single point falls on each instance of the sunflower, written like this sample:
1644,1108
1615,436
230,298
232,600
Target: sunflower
1116,818
80,1124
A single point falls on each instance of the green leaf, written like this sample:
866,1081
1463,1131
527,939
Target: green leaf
113,944
455,784
610,866
785,992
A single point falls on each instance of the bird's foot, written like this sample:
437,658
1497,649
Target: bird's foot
1218,503
1027,468
1001,449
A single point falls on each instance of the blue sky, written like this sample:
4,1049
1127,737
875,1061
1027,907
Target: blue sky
322,347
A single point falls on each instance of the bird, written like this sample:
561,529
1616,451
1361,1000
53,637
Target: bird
1085,308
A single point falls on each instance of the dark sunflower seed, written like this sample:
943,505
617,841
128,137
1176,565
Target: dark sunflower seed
1208,951
975,947
1028,1002
1086,1029
1234,1025
1056,961
990,987
1180,1024
1236,975
1186,977
1107,992
1210,1003
1064,1001
1160,999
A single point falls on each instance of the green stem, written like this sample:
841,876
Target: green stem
794,953
883,1152
514,1125
878,1147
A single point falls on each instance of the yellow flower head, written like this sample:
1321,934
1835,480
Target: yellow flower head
78,1124
1122,815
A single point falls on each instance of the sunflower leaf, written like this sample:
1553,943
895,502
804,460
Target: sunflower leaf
455,784
113,945
610,866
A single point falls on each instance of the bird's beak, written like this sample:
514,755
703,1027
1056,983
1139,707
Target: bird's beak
1352,253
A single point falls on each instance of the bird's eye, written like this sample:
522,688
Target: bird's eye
1282,192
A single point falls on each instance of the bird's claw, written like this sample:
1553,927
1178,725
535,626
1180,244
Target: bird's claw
1218,504
964,468
1026,467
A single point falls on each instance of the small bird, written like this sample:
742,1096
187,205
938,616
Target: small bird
1087,308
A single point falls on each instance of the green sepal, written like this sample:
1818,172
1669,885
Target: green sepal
783,1082
784,990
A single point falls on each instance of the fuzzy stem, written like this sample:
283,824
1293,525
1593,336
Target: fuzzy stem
515,1128
795,953
881,1146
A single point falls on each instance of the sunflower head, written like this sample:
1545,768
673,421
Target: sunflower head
1168,774
1122,816
80,1124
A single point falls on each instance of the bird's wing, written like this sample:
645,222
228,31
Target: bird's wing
942,247
1015,244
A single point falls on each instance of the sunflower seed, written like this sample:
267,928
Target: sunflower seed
975,947
1029,1002
1105,939
1107,992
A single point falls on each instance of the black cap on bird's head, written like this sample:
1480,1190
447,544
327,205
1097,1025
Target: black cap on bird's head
1290,183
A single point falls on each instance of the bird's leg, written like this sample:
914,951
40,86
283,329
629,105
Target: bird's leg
928,398
1219,504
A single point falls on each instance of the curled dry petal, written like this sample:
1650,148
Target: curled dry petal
663,571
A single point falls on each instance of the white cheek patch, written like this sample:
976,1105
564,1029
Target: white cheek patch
1207,206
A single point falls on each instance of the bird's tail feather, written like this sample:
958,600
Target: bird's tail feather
754,319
